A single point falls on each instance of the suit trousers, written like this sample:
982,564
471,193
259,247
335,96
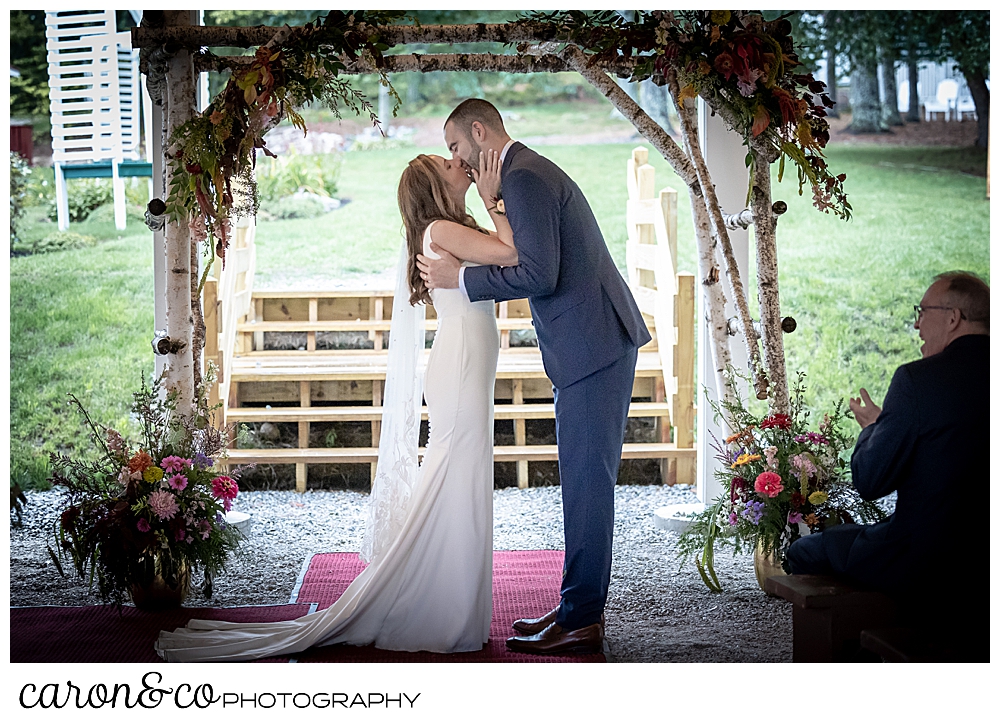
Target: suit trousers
590,429
823,553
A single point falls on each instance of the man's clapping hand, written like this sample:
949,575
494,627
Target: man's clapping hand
865,410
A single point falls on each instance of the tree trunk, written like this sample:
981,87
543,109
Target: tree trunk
831,80
981,97
722,233
767,286
866,112
913,75
179,368
890,101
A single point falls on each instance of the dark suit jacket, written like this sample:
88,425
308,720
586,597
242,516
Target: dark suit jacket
930,444
584,314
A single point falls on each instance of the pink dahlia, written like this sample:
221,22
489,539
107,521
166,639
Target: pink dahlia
174,464
178,482
163,504
225,488
769,484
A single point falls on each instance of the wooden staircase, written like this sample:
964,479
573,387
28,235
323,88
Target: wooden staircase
314,379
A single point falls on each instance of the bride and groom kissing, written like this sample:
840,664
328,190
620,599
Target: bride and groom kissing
428,541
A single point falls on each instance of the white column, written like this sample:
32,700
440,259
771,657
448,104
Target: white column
724,153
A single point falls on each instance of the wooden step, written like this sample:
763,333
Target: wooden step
362,455
374,414
327,366
290,327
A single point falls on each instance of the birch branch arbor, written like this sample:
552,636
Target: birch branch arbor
748,83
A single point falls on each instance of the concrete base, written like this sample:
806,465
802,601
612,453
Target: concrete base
239,520
675,517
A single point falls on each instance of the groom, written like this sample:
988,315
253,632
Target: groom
589,331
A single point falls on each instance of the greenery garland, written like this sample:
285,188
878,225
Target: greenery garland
212,156
739,62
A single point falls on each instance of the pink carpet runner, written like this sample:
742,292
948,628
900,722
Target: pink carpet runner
525,584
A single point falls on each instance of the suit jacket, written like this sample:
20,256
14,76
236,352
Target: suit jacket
584,314
930,445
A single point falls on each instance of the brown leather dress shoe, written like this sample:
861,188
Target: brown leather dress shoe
533,626
553,640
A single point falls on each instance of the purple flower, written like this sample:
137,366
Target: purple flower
142,525
812,438
794,518
732,519
202,461
753,511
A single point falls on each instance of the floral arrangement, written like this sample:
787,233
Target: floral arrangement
737,61
212,156
150,508
781,480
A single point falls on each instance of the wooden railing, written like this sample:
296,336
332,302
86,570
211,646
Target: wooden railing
667,297
226,302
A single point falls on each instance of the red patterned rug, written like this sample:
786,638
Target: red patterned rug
525,584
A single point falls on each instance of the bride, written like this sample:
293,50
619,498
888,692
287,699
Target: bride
429,537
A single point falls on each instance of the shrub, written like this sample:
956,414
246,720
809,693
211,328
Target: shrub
83,196
19,174
290,172
294,207
56,241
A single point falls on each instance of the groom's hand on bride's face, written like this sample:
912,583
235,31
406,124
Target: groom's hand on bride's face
439,273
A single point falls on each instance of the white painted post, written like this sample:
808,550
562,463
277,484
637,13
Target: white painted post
724,153
62,200
118,189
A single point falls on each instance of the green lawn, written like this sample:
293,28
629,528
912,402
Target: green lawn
81,320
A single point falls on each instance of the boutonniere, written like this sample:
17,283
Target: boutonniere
497,206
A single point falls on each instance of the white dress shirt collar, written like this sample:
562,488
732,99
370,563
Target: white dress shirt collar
503,153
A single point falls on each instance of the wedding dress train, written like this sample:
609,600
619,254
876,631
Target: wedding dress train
431,589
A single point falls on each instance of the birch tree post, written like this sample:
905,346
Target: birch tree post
767,285
711,201
179,371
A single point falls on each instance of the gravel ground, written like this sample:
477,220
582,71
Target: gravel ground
656,611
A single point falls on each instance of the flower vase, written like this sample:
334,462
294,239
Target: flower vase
159,592
765,566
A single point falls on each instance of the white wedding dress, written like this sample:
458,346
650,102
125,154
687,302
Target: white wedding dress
431,589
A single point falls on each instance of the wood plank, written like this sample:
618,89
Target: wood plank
374,414
513,364
369,325
367,455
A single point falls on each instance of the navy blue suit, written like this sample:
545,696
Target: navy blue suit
930,445
589,330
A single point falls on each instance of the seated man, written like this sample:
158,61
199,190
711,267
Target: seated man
931,445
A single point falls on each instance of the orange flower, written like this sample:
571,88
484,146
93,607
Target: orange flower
812,520
140,462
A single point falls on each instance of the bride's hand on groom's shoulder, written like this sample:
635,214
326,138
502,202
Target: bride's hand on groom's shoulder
439,273
487,177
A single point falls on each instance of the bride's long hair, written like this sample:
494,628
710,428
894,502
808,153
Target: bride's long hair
424,196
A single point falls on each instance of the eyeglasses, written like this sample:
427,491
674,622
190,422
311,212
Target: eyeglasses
918,311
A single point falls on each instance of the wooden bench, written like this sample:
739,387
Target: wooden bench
911,645
829,615
836,622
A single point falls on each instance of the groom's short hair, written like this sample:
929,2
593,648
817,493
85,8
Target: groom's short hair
476,109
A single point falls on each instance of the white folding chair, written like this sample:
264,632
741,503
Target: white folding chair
947,93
